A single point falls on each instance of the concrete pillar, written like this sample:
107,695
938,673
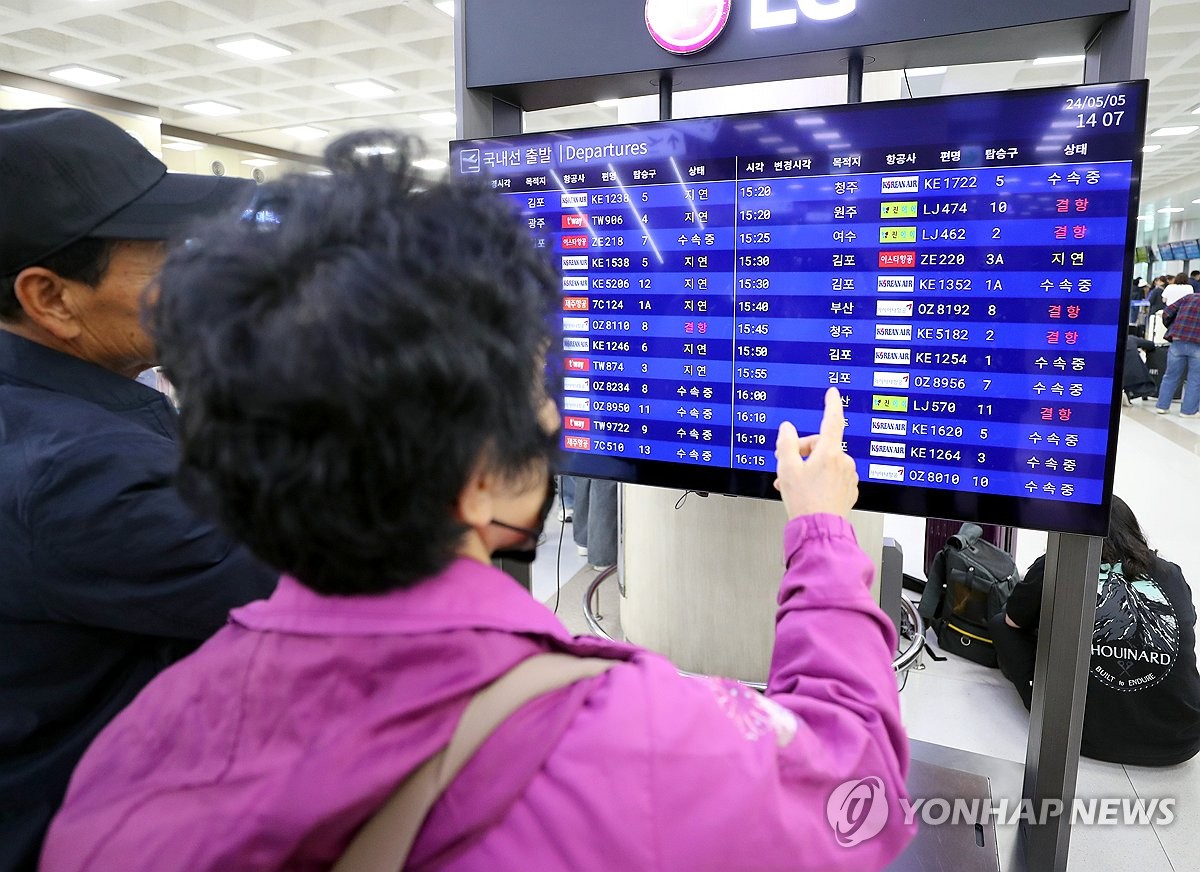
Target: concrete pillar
701,582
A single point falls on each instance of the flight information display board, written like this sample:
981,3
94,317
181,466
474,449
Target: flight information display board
957,267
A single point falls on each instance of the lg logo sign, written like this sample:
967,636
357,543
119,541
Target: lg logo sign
687,26
785,12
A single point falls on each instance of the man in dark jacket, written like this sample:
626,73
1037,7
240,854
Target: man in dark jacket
105,576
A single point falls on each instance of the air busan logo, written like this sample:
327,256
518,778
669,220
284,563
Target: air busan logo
686,26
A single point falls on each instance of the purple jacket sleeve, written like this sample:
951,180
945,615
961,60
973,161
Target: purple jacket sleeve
706,774
832,668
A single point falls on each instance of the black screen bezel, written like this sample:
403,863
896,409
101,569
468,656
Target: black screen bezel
1026,512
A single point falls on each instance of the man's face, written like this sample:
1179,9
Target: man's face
110,315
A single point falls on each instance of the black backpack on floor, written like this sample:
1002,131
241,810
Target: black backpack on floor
969,583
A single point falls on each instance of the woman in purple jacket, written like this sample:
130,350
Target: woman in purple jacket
361,406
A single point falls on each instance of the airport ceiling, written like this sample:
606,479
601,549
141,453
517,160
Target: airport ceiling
165,54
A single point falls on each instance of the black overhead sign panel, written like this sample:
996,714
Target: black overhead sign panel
525,49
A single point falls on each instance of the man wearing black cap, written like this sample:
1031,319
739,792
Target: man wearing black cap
105,576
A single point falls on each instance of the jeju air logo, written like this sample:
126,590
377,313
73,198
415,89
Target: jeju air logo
686,26
857,811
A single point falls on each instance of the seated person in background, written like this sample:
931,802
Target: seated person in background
360,368
1137,382
1143,695
106,576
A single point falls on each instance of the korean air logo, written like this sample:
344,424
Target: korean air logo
857,810
686,26
901,184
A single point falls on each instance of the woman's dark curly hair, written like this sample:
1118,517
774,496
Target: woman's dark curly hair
347,355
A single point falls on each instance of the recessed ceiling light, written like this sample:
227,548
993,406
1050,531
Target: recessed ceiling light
84,76
607,103
440,118
366,89
183,145
260,162
211,107
254,48
320,173
1171,211
1061,59
1175,131
446,6
926,71
304,131
1196,202
430,163
1146,149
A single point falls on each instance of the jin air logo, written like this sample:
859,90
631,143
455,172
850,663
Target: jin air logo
1136,638
686,26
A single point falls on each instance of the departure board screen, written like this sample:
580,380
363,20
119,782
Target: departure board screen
957,267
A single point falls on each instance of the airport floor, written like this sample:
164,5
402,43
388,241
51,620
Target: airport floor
958,704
